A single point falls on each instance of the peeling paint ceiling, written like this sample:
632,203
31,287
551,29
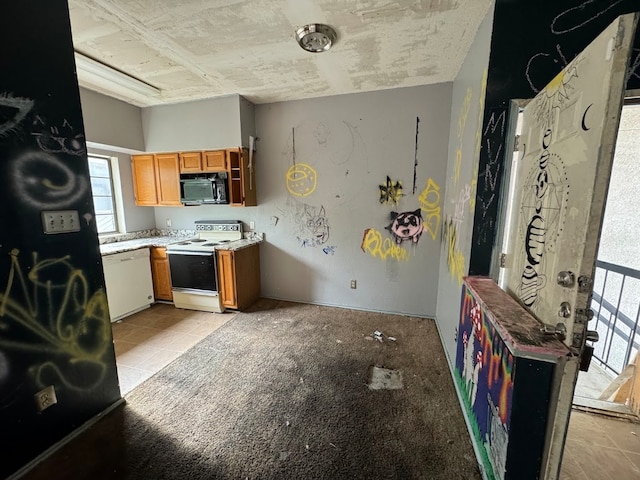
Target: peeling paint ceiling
195,49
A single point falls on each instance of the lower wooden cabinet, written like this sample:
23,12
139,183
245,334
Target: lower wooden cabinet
239,277
160,274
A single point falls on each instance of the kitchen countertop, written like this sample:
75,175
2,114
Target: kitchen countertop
163,241
127,245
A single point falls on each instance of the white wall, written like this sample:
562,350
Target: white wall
352,143
111,123
459,203
203,124
114,128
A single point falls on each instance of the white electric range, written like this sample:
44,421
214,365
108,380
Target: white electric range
193,266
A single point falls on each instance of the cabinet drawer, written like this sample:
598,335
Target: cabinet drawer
214,161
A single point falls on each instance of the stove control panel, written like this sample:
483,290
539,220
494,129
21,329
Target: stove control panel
228,227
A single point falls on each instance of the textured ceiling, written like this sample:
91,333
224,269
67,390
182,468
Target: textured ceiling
194,49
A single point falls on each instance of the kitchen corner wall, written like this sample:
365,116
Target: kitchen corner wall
331,172
467,109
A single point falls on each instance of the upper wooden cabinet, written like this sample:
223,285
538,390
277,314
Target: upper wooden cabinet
156,179
242,177
214,160
206,161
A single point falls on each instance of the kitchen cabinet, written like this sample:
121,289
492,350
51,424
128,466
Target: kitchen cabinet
242,178
156,179
160,274
202,162
239,277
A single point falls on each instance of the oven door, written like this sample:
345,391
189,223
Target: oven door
193,271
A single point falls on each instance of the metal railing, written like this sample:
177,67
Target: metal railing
616,307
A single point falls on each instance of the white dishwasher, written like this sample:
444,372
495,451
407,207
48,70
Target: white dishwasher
127,278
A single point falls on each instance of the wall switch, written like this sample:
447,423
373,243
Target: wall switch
252,225
60,221
45,398
353,284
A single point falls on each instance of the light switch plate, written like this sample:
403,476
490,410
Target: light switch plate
60,221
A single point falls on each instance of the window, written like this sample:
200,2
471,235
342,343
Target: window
103,196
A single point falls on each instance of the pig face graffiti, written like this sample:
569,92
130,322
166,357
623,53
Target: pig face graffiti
406,226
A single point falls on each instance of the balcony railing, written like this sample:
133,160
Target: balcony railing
616,307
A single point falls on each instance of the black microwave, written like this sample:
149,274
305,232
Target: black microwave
212,189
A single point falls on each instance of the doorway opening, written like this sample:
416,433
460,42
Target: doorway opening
612,382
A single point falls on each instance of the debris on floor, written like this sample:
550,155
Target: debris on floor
379,336
385,379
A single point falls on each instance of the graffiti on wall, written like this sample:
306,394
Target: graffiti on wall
384,248
462,122
58,138
311,225
13,111
390,192
406,226
484,372
55,313
566,22
455,257
301,180
45,182
430,205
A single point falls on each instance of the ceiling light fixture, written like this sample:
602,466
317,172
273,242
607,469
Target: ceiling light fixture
98,74
316,37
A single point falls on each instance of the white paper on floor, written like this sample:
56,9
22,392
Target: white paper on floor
385,379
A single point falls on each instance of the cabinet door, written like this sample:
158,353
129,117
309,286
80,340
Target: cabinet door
227,280
214,161
144,180
168,178
248,177
190,162
160,273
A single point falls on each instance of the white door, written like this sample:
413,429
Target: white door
567,141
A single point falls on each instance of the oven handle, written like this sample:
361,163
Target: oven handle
189,252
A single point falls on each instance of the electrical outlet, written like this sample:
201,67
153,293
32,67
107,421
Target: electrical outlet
168,222
252,225
45,398
353,284
60,221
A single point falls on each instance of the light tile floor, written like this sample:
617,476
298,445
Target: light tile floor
149,340
601,448
598,447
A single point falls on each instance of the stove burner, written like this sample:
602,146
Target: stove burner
210,244
223,241
198,240
183,243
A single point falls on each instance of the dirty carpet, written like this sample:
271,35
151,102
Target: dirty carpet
282,391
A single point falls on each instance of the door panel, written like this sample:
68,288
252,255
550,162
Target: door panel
568,132
561,180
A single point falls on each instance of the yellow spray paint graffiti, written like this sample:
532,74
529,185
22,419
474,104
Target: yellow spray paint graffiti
430,205
462,122
74,326
301,179
476,159
374,244
455,257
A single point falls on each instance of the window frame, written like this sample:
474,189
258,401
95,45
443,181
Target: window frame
113,196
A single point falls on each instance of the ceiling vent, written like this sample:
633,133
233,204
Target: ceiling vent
316,37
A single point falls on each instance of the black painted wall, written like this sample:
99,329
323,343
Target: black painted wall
531,42
54,322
